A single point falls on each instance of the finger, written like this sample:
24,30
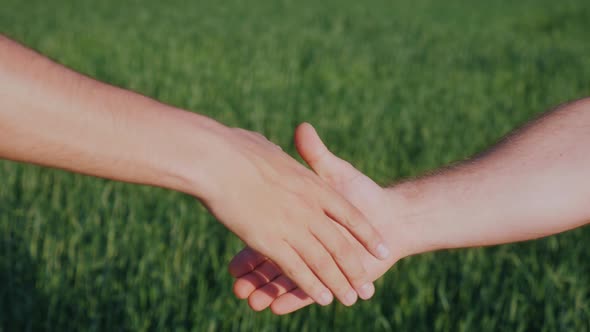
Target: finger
344,213
345,257
324,266
262,275
290,302
245,261
337,171
323,162
244,286
293,266
261,298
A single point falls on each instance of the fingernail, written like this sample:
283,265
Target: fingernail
325,298
350,298
382,251
366,291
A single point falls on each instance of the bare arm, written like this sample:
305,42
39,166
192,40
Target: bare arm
52,116
535,183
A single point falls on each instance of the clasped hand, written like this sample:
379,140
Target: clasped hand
287,213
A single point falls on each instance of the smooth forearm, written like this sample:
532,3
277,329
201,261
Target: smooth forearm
52,116
533,184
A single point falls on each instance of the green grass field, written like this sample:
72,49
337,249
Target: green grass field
396,87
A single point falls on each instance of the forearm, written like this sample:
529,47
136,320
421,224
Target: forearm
52,116
533,184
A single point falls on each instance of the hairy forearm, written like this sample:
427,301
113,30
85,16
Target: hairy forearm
534,183
52,116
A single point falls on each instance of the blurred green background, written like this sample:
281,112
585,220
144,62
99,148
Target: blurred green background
396,87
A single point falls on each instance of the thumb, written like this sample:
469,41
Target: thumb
329,167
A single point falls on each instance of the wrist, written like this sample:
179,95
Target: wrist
416,218
193,151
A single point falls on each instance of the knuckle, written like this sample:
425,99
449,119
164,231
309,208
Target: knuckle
304,203
249,255
292,271
323,263
262,243
296,184
360,222
305,182
351,217
343,250
311,180
251,135
356,272
351,222
242,131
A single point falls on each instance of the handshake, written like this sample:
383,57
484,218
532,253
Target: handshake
352,268
501,196
311,235
533,184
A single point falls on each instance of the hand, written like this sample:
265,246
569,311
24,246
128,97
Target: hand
262,282
52,116
284,211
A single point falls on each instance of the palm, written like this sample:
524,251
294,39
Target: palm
263,283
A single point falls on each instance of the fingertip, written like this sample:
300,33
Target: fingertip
280,309
366,291
256,304
350,298
290,302
325,298
243,288
277,310
305,133
304,126
372,240
237,289
301,133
